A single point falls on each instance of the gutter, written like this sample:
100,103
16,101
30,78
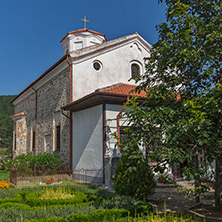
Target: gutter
36,103
104,138
70,113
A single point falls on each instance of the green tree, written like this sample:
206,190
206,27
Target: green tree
6,124
181,119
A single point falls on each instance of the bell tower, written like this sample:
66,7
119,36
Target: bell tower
81,38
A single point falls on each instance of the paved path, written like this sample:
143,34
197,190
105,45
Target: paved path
175,200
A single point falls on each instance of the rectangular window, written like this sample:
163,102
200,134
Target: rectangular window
48,143
78,45
58,138
33,141
15,140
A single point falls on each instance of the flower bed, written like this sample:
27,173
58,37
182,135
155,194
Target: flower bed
5,185
51,181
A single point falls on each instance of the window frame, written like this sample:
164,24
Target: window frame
57,136
101,65
139,65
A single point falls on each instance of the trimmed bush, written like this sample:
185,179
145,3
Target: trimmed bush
99,215
79,217
133,175
107,214
51,219
11,200
141,209
34,199
18,206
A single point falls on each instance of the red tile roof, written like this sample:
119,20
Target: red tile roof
18,114
83,30
122,89
126,89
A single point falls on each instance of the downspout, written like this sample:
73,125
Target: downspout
70,114
36,102
117,121
104,139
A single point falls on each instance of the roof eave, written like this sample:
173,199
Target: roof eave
97,98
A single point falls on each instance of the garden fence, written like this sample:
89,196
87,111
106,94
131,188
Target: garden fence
37,173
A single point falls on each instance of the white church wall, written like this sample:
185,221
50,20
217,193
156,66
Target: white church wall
116,67
88,144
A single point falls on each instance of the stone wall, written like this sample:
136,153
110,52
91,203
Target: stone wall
51,97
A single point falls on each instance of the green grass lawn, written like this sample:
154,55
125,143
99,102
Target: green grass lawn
4,175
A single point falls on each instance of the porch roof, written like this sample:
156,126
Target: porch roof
114,94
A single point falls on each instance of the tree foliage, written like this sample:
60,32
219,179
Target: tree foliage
6,124
181,119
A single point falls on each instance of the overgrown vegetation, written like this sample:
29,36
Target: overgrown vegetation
6,124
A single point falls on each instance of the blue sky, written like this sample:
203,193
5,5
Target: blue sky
31,30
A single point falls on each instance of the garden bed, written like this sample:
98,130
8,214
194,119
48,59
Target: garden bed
38,179
75,203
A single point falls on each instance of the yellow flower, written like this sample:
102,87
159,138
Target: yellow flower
5,185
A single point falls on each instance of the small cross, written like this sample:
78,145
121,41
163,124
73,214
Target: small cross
85,21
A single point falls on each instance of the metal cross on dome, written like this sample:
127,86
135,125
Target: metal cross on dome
85,21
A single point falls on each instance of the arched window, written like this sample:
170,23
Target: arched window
135,71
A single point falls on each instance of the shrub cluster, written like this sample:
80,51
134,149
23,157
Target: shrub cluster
99,215
5,164
166,179
41,163
134,176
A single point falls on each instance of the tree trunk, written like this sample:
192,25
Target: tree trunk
218,184
197,177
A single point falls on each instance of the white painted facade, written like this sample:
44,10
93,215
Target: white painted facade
78,40
88,159
115,63
88,144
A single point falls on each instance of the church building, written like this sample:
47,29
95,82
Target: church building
76,105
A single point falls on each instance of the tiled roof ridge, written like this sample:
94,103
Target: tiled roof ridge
83,30
114,86
109,87
122,89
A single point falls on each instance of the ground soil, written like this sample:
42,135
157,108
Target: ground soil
171,199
